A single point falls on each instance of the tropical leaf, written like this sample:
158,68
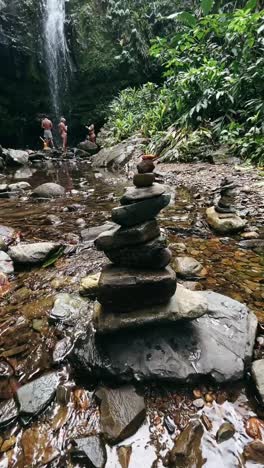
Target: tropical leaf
184,17
207,6
251,5
53,258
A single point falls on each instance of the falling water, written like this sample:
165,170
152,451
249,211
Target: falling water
56,51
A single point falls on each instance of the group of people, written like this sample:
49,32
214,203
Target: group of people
47,126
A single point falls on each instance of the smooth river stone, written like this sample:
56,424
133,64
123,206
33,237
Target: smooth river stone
134,195
126,289
152,254
145,166
32,253
122,237
136,213
184,305
219,344
144,180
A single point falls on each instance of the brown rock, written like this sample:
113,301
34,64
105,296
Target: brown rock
187,451
255,452
124,454
144,180
145,166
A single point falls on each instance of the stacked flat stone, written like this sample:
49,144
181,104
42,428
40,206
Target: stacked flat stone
139,275
227,198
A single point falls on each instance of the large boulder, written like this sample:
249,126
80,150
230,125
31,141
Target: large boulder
136,213
119,155
125,289
32,253
49,190
224,223
122,412
88,147
219,344
184,305
16,157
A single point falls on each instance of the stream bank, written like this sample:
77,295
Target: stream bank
30,341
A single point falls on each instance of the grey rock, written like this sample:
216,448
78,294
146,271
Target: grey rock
152,254
198,403
32,253
258,377
136,213
134,195
187,267
16,157
119,155
19,186
24,172
49,190
68,308
90,234
6,263
121,237
224,223
184,305
91,450
125,289
144,180
36,395
219,344
88,147
8,412
122,412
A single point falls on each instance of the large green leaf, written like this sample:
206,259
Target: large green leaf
184,17
207,6
251,5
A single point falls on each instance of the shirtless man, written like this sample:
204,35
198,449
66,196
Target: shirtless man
47,126
63,130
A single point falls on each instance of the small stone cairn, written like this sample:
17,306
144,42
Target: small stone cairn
139,275
227,199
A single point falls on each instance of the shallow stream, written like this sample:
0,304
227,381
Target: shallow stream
27,339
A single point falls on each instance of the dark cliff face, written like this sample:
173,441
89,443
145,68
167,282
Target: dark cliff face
23,87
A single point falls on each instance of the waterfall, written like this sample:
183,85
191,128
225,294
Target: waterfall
56,52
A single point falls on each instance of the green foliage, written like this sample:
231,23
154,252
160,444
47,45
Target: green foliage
213,74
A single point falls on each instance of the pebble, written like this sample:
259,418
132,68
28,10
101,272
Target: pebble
199,403
225,432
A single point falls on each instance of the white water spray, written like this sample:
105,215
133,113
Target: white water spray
56,51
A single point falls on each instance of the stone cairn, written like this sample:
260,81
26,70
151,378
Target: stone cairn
226,202
139,275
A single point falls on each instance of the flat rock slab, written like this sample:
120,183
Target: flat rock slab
224,224
122,412
68,308
137,213
258,377
49,190
153,254
122,237
32,253
90,450
219,344
125,289
90,234
6,263
16,157
134,195
184,305
36,395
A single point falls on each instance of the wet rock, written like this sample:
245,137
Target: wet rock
32,253
62,349
34,397
89,285
119,155
136,213
258,377
134,195
16,157
145,166
124,455
5,369
187,452
120,237
199,403
63,394
219,344
90,450
8,412
68,308
123,289
185,304
122,412
225,432
144,180
255,452
38,447
6,263
253,428
90,234
187,267
19,186
89,147
224,223
49,190
169,424
153,254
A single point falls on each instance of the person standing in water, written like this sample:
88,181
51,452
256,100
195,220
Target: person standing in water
63,130
47,126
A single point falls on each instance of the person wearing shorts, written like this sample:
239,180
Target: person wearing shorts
47,126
